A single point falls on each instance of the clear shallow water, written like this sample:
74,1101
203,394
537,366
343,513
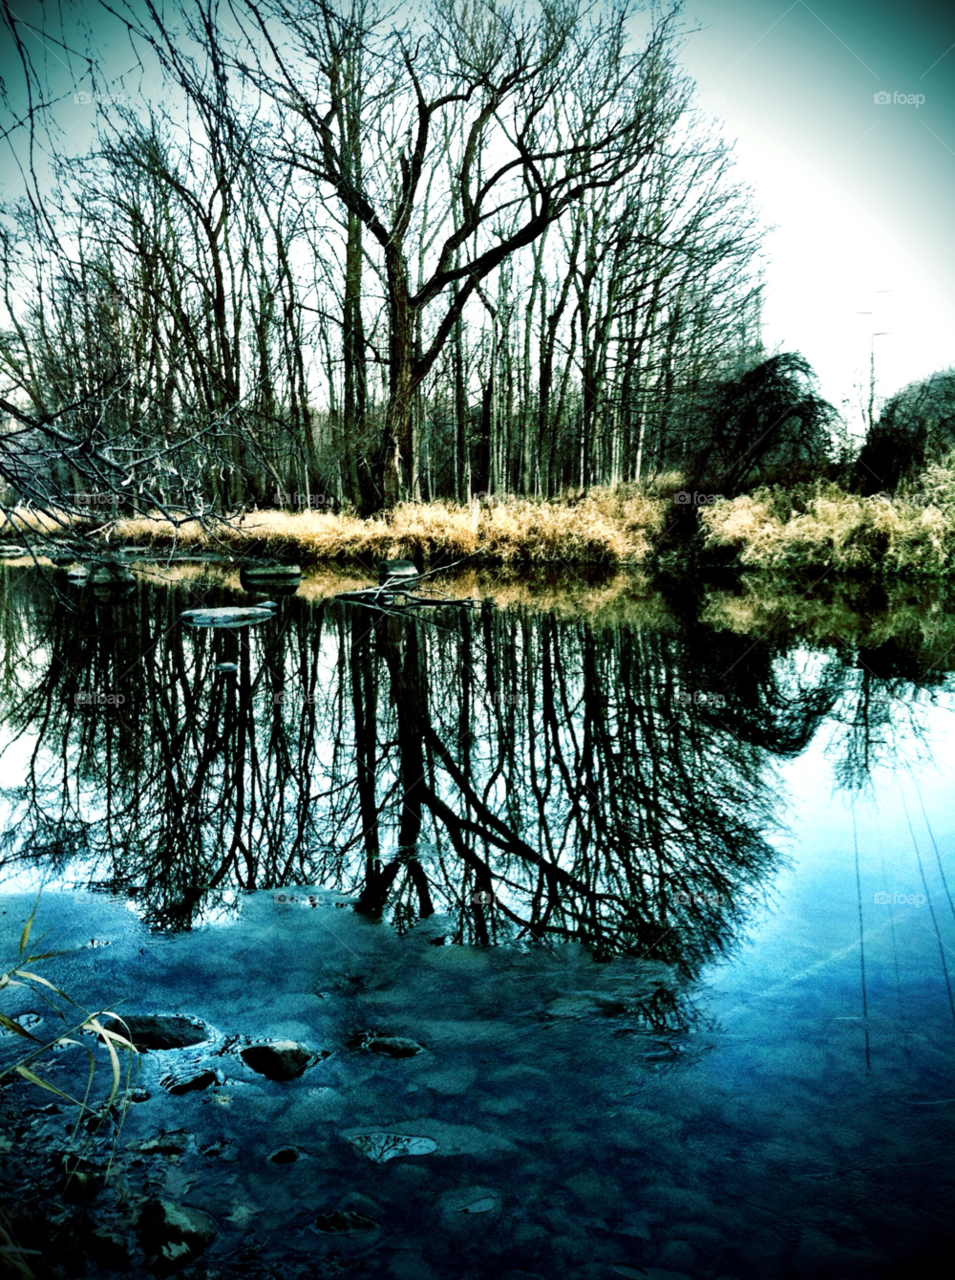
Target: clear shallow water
704,1046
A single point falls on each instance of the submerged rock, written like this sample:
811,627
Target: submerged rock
172,1234
386,1146
280,1060
390,1046
270,572
188,1082
166,1144
397,571
283,579
150,1031
284,1155
105,575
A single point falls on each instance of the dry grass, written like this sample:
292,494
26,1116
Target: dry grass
603,528
823,527
23,520
805,528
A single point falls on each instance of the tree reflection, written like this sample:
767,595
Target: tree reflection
528,776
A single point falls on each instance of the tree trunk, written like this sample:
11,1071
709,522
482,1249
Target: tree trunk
394,461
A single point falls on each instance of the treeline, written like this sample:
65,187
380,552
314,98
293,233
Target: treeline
343,253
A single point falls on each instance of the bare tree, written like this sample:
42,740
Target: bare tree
549,106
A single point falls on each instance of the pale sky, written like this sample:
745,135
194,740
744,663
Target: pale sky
862,192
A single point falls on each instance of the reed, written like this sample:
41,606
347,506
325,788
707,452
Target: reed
22,973
603,527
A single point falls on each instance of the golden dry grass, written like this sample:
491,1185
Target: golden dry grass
825,528
23,520
602,528
807,528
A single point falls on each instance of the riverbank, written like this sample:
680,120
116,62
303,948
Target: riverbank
808,529
604,528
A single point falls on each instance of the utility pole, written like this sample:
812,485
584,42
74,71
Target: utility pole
873,334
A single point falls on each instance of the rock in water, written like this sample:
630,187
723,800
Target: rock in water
172,1234
148,1031
397,571
108,575
280,1060
390,1046
188,1082
270,572
284,1155
381,1147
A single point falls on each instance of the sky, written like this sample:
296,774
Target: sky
843,115
858,179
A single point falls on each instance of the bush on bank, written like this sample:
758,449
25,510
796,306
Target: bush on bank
822,527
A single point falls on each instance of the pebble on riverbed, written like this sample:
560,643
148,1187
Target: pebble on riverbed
390,1046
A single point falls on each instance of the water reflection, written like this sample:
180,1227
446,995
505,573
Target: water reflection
535,776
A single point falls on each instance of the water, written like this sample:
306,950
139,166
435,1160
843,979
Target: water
616,929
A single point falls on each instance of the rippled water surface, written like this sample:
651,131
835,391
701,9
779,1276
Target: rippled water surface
573,929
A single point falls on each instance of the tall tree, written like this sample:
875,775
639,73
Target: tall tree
551,105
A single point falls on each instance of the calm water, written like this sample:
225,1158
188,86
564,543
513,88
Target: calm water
618,928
